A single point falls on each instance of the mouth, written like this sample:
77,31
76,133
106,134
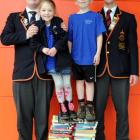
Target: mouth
47,16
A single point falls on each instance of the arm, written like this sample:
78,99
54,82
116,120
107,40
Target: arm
100,28
99,44
9,35
62,35
59,45
133,47
42,48
99,47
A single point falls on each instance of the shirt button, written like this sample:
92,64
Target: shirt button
107,52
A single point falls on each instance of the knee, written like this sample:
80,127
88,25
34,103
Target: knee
67,89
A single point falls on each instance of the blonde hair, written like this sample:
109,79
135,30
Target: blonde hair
51,2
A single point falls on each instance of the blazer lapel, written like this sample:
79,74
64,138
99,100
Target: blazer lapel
24,19
114,22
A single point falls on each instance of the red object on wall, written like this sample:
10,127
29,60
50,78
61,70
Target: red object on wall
7,110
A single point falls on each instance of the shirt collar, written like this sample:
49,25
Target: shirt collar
112,9
28,10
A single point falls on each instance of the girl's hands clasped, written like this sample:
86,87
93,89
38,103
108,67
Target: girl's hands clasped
45,51
51,52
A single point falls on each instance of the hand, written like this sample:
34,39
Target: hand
52,52
96,60
133,80
64,27
32,30
45,50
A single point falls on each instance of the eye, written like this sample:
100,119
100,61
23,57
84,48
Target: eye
50,10
43,10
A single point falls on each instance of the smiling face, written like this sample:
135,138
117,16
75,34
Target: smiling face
83,3
47,11
33,3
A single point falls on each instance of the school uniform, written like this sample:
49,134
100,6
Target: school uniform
32,90
53,36
119,60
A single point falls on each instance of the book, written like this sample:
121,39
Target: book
72,130
86,131
83,138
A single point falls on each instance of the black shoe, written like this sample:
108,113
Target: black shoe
63,112
90,112
81,110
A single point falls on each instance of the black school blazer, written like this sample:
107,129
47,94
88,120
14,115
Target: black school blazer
119,55
14,33
63,59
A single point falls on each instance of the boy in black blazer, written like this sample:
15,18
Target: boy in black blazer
31,90
118,67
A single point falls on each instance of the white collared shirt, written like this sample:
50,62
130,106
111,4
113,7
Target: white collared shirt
112,13
30,15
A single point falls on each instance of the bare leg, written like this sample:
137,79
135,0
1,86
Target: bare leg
90,112
80,89
90,91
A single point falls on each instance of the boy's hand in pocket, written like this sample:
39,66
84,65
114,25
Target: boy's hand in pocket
96,60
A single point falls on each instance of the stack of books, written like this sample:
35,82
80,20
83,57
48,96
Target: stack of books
85,131
60,131
72,130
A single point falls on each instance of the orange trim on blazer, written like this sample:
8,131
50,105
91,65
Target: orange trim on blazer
27,79
118,19
107,64
108,69
21,20
34,72
37,70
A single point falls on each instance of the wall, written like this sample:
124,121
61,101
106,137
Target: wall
7,110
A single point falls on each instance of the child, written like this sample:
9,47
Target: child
85,35
58,59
